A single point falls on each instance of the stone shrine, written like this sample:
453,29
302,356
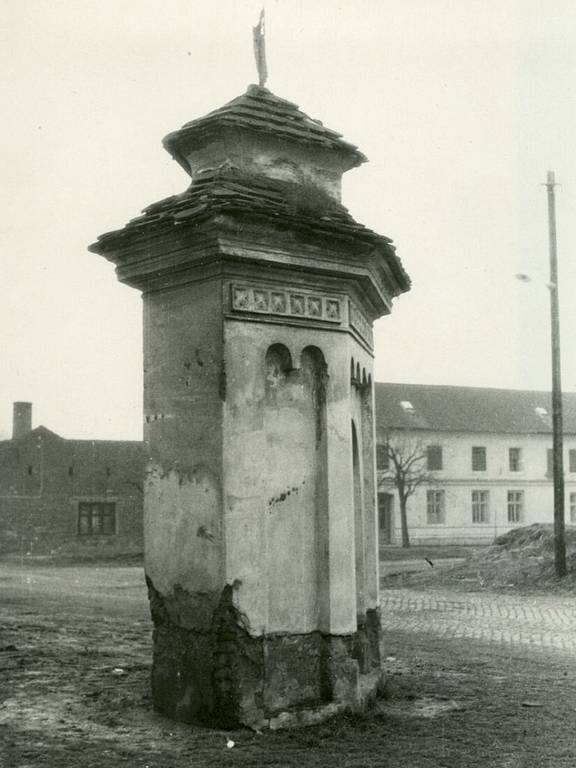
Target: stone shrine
259,291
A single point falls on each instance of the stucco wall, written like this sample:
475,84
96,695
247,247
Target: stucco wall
184,378
288,503
458,481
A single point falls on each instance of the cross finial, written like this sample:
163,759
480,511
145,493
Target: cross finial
260,50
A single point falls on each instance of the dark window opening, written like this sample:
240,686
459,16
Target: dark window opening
434,457
70,471
572,460
30,469
478,459
96,518
382,458
514,459
108,471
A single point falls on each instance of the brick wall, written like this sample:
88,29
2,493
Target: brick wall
43,480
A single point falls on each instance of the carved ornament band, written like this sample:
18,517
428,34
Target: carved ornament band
360,324
269,301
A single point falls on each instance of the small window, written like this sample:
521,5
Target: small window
573,507
382,458
572,460
478,459
108,471
96,518
514,459
515,506
435,509
30,469
434,457
549,462
70,471
480,510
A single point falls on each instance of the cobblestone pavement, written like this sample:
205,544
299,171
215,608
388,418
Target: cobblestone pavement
538,621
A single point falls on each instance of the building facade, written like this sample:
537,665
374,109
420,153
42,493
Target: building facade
484,459
62,496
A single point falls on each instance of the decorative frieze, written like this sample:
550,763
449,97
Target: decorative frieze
286,303
359,323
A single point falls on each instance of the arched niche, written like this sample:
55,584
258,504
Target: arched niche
295,519
278,364
359,554
314,377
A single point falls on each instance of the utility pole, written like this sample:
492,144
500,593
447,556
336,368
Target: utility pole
557,429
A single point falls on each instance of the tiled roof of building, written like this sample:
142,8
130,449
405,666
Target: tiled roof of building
469,409
230,191
260,110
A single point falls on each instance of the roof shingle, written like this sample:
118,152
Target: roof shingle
442,408
260,110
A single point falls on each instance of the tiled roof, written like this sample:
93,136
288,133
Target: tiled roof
47,434
230,191
260,110
469,409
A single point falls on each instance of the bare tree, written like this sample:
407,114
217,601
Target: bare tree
407,470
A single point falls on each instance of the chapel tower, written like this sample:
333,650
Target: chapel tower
259,291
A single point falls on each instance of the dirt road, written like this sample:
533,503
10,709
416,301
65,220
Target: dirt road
75,659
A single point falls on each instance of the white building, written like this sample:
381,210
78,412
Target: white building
487,454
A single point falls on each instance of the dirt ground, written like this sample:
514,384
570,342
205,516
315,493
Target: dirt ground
75,652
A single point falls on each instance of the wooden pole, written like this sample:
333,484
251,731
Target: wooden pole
557,429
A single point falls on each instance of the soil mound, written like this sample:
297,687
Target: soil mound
521,558
536,539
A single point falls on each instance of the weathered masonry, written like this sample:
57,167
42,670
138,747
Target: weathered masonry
260,291
68,497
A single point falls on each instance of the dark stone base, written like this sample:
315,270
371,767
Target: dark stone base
222,676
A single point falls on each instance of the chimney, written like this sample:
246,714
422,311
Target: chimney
22,420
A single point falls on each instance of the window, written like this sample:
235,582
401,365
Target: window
434,457
96,518
572,460
514,459
434,507
71,471
515,506
573,507
479,506
549,462
382,458
478,459
30,469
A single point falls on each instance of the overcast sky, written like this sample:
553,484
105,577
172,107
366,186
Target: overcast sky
461,107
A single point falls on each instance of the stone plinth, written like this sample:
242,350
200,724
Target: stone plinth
260,520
